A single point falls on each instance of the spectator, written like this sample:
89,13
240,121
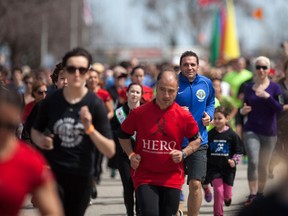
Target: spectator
28,80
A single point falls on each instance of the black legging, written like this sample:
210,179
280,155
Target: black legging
124,170
74,191
157,200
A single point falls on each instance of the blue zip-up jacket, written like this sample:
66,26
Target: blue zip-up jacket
199,97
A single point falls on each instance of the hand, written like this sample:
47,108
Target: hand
135,161
245,109
46,142
231,163
176,155
206,119
85,117
262,94
185,108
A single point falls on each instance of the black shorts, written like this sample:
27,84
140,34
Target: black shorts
196,164
227,174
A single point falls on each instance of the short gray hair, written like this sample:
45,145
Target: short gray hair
262,58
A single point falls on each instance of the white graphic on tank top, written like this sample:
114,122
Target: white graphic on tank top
69,131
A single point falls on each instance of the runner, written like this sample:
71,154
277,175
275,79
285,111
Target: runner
23,171
224,153
156,161
196,94
134,93
69,131
262,102
137,76
58,78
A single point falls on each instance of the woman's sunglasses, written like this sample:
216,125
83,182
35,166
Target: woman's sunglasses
72,70
41,92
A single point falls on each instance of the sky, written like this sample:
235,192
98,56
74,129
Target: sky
122,24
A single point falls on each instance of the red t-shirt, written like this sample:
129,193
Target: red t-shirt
159,132
103,95
27,110
20,175
146,97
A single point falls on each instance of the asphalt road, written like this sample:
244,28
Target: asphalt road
110,200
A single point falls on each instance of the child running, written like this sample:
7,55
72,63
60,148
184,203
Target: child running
224,153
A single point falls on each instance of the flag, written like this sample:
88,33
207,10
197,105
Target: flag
231,44
204,3
87,15
224,41
258,13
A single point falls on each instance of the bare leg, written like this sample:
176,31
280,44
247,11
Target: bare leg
195,197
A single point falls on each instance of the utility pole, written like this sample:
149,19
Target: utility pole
74,17
44,38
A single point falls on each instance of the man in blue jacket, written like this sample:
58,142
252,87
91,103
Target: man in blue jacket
195,94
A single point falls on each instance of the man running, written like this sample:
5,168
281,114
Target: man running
156,161
195,94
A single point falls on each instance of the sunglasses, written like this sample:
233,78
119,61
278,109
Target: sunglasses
41,92
8,126
72,70
259,67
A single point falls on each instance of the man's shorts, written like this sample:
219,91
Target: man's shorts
196,164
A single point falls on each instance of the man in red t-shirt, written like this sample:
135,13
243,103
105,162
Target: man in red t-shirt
156,161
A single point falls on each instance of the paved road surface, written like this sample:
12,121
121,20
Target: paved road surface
110,201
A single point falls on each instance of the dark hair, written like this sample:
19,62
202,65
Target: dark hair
54,76
136,68
11,97
160,75
77,52
125,64
223,110
27,76
133,84
187,54
16,69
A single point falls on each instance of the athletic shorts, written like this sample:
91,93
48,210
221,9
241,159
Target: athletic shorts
196,164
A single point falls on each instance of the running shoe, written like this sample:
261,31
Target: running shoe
94,192
180,213
208,194
250,199
228,202
259,196
182,198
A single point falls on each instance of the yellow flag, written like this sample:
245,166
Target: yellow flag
231,44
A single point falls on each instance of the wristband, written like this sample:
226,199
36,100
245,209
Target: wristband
131,155
90,129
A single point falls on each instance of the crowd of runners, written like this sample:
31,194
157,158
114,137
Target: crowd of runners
160,126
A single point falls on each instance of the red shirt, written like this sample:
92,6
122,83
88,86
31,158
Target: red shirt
27,110
146,97
103,95
159,132
25,171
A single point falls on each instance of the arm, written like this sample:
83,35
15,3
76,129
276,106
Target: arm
47,200
102,143
109,107
193,145
210,105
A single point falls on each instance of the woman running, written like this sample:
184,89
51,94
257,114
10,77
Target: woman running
262,102
23,171
69,125
134,93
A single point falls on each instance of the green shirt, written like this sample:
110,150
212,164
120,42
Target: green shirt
236,79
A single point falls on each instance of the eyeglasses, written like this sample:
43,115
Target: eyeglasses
72,70
259,67
8,126
41,92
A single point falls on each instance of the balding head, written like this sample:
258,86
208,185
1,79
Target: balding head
167,87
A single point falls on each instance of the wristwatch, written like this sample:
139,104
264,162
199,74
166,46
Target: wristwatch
184,155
